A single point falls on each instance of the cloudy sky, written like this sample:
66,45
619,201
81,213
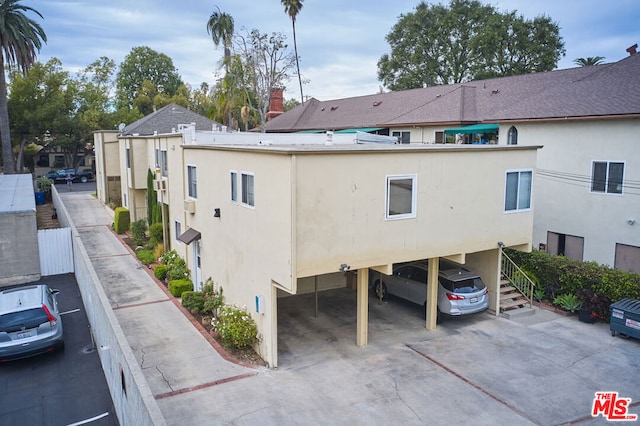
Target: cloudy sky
339,41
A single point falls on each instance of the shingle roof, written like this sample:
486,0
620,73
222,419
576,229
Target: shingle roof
166,120
600,90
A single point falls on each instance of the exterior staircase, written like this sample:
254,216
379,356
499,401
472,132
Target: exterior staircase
516,289
510,297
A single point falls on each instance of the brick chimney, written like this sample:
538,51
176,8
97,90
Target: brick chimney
276,103
632,50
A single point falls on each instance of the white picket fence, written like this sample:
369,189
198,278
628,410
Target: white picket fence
56,251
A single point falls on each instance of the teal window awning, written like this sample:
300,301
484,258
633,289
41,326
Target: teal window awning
474,128
361,129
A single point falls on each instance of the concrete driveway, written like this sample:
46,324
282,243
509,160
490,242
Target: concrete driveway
542,370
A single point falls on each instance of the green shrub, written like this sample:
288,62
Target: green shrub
146,257
595,285
176,267
193,300
139,232
236,327
121,220
160,272
155,233
568,302
177,287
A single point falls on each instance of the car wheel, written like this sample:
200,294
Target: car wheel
83,179
380,290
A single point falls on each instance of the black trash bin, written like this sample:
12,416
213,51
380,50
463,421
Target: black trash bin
625,318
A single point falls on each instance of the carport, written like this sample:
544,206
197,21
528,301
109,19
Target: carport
486,263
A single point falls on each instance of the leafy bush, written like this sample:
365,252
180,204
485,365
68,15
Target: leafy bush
177,287
177,268
213,301
146,257
568,302
559,275
121,220
139,232
155,233
236,327
193,300
44,185
160,272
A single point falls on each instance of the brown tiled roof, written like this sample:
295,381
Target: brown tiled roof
166,120
600,90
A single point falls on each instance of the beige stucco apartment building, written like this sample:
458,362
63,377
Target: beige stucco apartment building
271,216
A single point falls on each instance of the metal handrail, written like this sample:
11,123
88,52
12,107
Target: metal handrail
517,277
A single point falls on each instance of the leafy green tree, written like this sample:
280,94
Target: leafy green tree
20,39
591,60
466,40
38,101
290,104
144,63
292,8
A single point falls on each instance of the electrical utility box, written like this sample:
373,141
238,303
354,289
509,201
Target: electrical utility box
625,318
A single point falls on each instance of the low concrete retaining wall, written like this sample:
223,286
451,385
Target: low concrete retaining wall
133,401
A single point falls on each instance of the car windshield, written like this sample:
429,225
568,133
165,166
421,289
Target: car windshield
470,285
16,321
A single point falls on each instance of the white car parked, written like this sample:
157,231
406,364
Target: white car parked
460,291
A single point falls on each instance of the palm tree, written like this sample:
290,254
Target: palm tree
292,8
591,60
20,38
220,26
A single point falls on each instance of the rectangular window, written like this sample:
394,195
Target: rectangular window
234,186
163,162
518,190
607,177
157,158
192,181
248,194
403,137
128,158
178,229
401,196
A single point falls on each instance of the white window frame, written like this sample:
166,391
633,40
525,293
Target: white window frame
233,185
414,196
127,153
192,192
518,209
177,229
242,194
606,182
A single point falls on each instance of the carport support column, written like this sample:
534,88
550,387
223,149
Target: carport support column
362,319
432,294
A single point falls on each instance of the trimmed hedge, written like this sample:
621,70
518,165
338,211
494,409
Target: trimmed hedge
177,287
160,272
596,286
193,300
121,220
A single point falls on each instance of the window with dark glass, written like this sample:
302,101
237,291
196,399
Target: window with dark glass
607,177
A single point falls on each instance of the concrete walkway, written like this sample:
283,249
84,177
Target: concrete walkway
543,369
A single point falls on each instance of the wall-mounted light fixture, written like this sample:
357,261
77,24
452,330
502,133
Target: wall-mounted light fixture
344,267
500,244
631,221
216,212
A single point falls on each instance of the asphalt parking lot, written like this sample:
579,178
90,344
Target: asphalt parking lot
58,388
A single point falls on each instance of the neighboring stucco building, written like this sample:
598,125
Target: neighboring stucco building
268,216
588,120
18,230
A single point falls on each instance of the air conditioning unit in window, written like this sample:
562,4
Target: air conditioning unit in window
160,185
190,206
